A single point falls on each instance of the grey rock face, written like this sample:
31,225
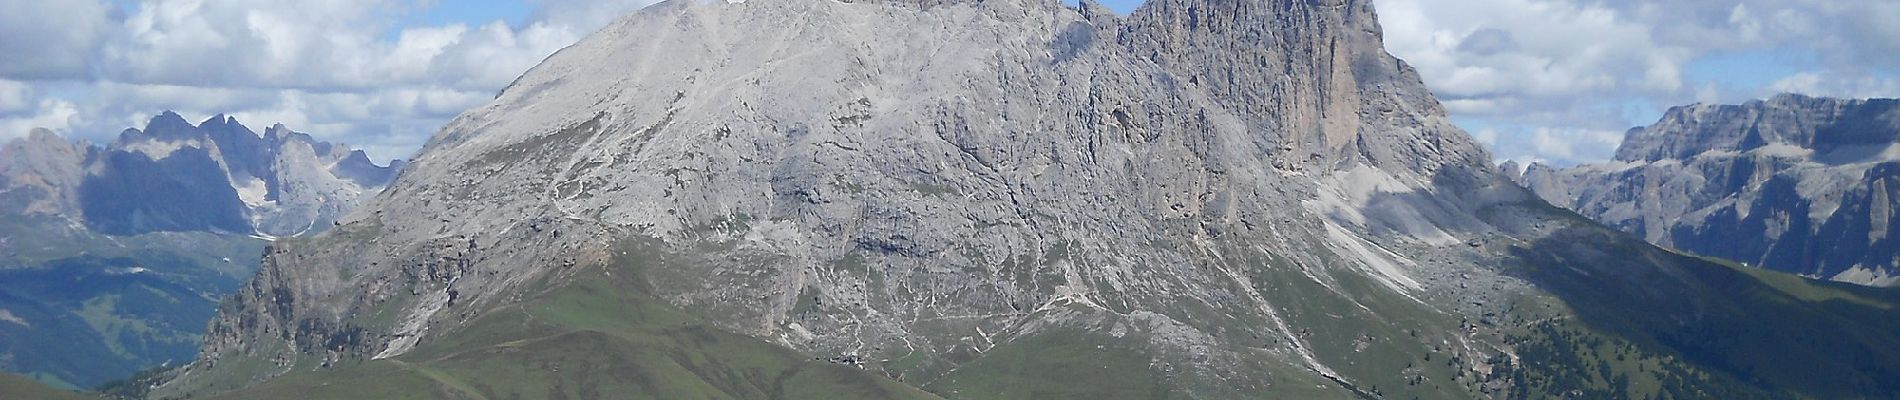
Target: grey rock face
1796,184
40,175
1254,190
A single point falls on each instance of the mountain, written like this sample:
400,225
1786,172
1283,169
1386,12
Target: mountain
1796,184
221,176
1000,199
113,258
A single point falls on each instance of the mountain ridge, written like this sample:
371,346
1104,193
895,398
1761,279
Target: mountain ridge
1220,198
225,177
1794,183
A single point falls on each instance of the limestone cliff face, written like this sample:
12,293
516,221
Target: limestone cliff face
1253,190
1794,183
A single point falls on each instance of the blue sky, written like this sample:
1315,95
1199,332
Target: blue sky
1122,6
1537,80
472,12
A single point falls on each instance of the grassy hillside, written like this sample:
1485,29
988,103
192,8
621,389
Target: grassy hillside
1065,365
20,387
1699,329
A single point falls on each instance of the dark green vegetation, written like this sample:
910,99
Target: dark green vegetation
600,336
20,387
1632,331
79,309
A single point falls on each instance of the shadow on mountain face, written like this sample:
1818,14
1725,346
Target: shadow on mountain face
183,192
1776,333
1706,329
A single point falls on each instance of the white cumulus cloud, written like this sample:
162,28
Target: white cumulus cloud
340,69
1537,79
1561,79
52,114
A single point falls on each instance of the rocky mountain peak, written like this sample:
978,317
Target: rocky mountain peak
41,142
218,120
38,174
45,137
168,124
275,132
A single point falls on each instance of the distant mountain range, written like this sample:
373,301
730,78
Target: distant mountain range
1797,184
113,257
217,176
